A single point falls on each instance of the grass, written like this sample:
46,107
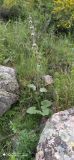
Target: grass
57,54
21,127
60,55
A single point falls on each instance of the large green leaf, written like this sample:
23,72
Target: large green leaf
46,103
33,110
44,107
45,112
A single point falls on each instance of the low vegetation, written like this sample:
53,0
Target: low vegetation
21,126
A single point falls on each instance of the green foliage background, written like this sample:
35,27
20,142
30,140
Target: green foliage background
56,45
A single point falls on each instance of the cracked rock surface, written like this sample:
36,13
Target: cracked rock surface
57,139
9,88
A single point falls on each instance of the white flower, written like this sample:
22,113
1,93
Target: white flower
30,17
31,27
4,154
32,34
34,45
30,21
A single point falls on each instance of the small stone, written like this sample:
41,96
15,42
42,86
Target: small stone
48,79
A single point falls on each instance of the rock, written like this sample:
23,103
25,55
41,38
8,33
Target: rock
9,88
57,139
48,80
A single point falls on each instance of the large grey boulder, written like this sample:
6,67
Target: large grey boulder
57,139
9,88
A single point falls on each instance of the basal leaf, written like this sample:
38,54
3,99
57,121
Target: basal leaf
45,112
43,90
46,103
32,110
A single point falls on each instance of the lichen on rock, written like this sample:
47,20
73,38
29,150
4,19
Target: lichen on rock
9,88
57,139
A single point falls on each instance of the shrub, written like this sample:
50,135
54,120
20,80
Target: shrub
1,2
63,11
13,9
12,13
9,3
